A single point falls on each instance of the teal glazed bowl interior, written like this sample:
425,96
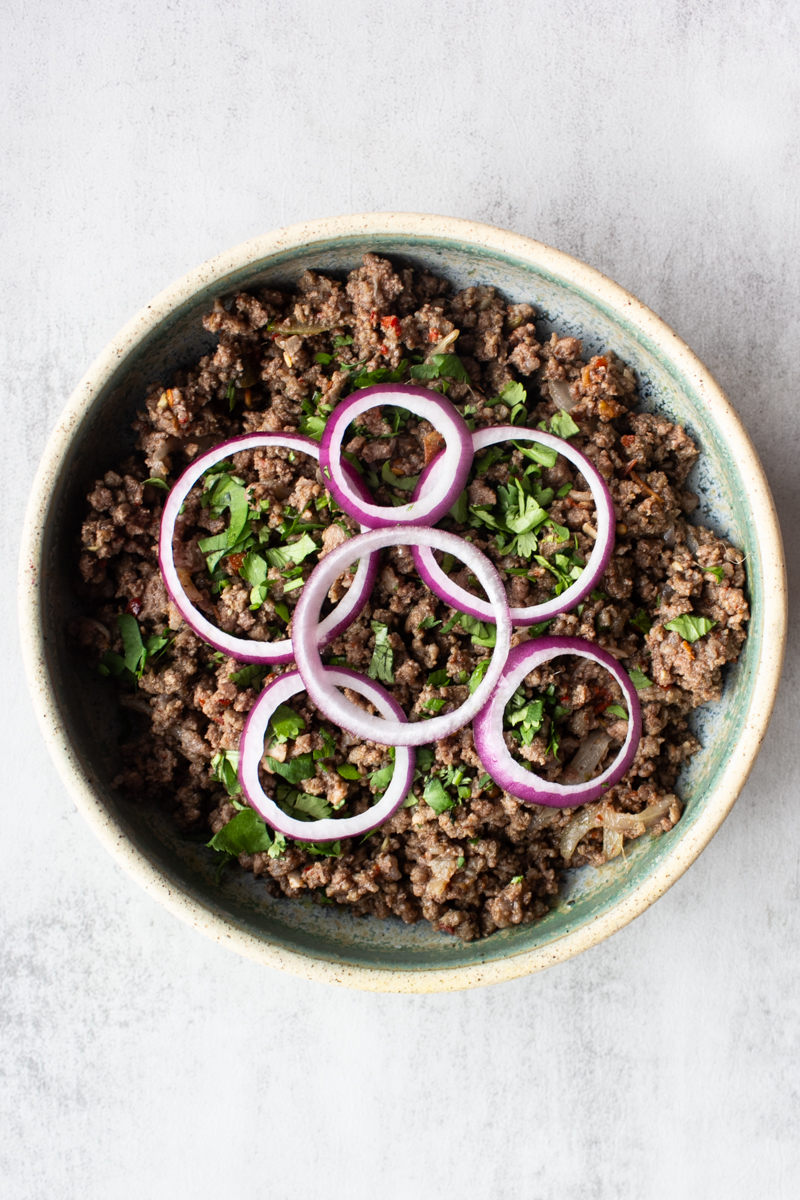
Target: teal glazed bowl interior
77,708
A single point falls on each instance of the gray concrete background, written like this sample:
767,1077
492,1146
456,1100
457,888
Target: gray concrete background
659,142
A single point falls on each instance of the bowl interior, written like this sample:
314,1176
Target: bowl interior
87,701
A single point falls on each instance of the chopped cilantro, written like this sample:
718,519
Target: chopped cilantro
641,621
460,861
428,623
565,490
717,572
249,676
545,456
512,394
617,710
326,850
689,627
381,665
286,723
436,797
434,704
348,771
478,674
328,747
484,782
245,833
639,679
441,366
460,510
406,483
438,679
224,767
155,482
323,359
302,805
517,879
294,552
313,426
283,612
294,770
379,780
343,340
562,425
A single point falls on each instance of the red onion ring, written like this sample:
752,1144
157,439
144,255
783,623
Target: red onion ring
488,727
323,691
327,829
245,649
453,463
454,594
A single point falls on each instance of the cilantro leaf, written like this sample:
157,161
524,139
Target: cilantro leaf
434,704
478,674
294,552
545,456
302,805
482,634
155,482
349,771
249,676
441,366
641,621
286,723
245,833
294,770
381,665
617,710
639,679
436,797
562,425
406,483
460,509
135,653
428,623
379,780
438,679
689,627
717,572
313,426
224,768
325,849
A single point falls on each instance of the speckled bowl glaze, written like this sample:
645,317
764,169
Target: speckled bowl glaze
76,708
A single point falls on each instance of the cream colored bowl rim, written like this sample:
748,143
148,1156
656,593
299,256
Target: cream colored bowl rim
636,314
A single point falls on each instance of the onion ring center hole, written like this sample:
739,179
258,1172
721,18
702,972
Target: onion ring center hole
566,721
390,447
249,535
314,770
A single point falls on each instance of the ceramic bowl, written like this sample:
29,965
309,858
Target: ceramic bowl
76,708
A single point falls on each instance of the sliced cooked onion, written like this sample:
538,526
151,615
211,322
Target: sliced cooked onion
561,395
488,726
614,824
320,686
590,754
183,595
453,593
452,465
327,829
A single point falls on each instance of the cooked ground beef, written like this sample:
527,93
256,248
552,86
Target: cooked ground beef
282,362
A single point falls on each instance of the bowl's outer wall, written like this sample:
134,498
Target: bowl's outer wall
77,708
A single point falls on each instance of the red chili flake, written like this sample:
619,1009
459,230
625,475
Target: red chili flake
564,699
602,361
236,561
373,318
383,349
223,703
628,440
434,335
391,323
134,606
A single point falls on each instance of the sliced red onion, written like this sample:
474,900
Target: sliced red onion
320,686
453,463
488,726
453,593
241,648
328,829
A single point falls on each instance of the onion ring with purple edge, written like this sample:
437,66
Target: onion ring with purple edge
324,693
488,727
454,461
453,593
245,649
327,829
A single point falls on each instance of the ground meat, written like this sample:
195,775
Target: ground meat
483,861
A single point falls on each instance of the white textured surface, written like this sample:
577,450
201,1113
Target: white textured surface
659,142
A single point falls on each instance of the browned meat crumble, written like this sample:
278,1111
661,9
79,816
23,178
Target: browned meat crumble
490,861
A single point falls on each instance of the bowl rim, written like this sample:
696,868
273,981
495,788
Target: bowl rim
31,568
